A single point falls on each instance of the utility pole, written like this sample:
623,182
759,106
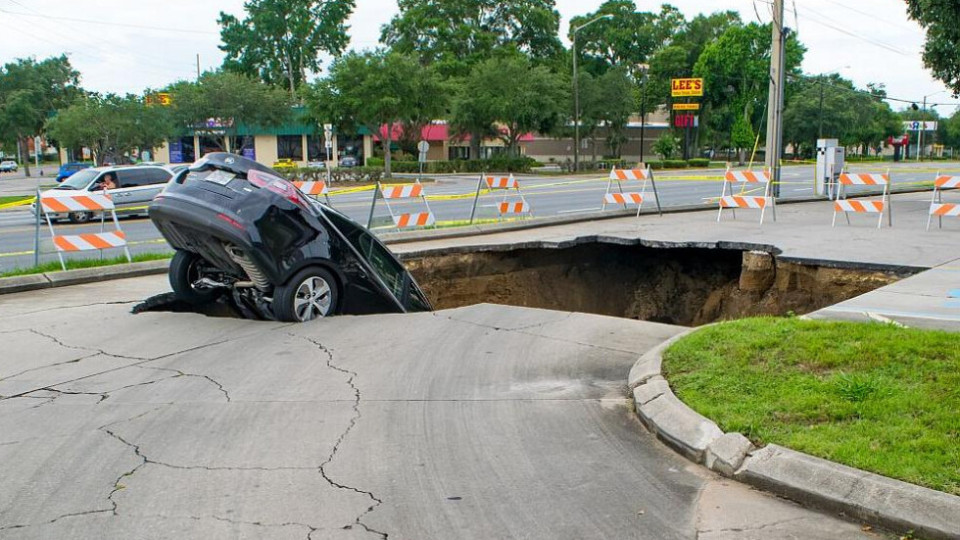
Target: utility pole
775,97
923,124
820,131
198,67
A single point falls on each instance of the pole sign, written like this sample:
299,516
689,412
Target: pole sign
160,98
686,87
686,106
915,125
423,147
685,120
328,135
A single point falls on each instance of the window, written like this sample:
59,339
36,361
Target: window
459,152
290,147
488,152
142,176
316,151
181,150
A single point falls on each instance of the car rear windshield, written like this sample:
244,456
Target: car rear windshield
79,180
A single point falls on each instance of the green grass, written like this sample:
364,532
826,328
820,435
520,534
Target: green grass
7,199
73,264
873,396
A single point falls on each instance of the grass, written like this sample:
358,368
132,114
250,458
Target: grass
7,199
872,396
73,264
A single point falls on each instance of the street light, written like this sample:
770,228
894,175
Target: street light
923,123
576,92
643,69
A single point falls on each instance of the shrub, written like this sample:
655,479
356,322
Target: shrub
375,162
698,162
674,164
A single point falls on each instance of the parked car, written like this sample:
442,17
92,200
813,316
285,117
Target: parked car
349,161
284,164
67,170
135,188
239,229
8,166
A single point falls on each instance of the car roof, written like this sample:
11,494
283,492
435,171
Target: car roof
113,168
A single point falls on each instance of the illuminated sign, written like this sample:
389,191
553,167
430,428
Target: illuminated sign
686,106
686,87
686,120
161,98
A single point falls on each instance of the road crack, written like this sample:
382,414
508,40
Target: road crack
180,373
376,501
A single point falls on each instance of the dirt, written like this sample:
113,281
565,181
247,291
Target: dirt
685,286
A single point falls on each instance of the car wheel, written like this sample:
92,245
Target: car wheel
184,272
311,294
80,217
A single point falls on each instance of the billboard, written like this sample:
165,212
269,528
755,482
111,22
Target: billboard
686,87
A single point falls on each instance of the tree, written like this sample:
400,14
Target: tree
220,102
513,95
941,53
736,72
455,35
111,126
30,91
377,89
279,41
629,37
666,146
742,137
618,101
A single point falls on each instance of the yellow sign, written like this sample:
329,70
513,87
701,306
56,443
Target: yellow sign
686,106
686,87
160,98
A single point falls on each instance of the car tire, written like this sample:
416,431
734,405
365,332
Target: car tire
311,294
80,217
183,273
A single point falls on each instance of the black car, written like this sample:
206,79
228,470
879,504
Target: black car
238,228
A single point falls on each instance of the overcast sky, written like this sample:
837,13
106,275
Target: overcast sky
121,48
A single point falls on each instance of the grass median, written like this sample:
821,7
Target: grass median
74,264
876,397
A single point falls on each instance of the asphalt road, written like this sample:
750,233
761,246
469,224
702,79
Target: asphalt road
548,196
477,423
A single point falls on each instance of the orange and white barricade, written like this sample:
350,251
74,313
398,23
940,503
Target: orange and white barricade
400,194
65,202
314,189
742,201
937,206
626,198
506,206
862,206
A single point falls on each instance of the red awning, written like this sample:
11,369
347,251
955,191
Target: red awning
437,132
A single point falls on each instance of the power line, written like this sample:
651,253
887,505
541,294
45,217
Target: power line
104,23
813,17
872,16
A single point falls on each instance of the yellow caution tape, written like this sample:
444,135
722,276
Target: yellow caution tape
13,204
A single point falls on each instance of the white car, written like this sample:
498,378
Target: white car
134,188
8,166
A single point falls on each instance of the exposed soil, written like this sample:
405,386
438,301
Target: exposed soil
685,286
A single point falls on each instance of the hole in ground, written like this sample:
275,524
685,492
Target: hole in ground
684,286
676,285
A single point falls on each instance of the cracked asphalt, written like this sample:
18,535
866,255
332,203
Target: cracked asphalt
481,422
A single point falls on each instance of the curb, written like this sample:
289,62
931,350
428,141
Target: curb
32,282
866,496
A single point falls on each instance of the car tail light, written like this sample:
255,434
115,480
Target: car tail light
277,185
230,220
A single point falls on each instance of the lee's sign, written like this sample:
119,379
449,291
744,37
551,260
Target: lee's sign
686,87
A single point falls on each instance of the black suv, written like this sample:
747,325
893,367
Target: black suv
240,229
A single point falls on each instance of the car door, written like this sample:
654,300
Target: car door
138,186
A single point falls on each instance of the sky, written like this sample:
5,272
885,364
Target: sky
120,48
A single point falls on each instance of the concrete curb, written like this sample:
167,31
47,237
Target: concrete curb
866,496
34,282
